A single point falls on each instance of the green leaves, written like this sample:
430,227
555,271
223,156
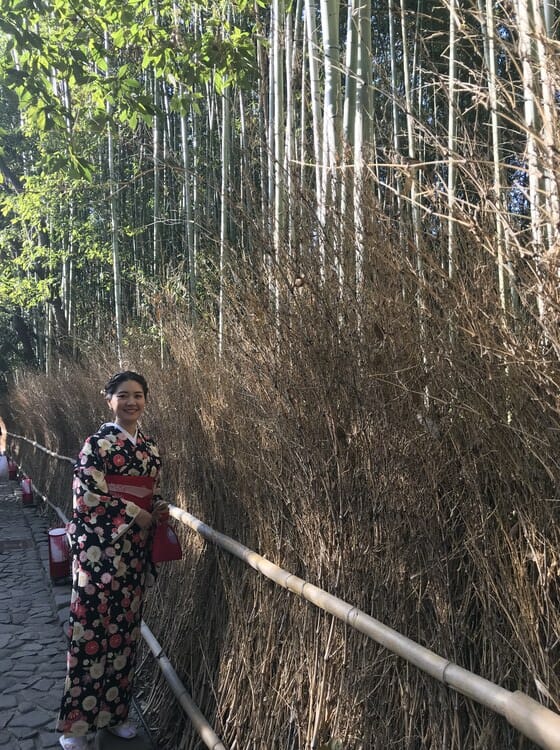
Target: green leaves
61,47
72,75
79,166
24,290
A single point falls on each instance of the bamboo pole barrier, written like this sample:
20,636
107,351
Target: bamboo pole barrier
205,731
35,489
35,444
535,721
59,512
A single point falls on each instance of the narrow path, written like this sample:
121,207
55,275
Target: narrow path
32,643
32,640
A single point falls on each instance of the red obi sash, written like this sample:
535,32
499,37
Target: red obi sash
137,490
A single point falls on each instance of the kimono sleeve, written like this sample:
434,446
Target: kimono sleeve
92,502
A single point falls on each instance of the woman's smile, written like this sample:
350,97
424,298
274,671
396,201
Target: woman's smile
128,403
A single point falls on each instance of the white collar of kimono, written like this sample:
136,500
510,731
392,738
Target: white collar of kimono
132,438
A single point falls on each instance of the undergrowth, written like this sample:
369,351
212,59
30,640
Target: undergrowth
399,451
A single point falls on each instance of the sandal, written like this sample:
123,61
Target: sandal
126,731
73,743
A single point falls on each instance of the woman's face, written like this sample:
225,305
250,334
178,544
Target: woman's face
127,403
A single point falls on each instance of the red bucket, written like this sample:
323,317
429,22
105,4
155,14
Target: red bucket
59,554
26,491
12,469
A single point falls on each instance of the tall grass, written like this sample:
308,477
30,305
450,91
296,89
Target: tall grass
405,461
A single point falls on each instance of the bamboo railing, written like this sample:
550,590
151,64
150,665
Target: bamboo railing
535,721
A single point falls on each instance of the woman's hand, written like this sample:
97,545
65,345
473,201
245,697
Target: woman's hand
160,512
143,519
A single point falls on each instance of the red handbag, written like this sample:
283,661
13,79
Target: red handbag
165,544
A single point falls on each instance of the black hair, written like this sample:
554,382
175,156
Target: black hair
120,377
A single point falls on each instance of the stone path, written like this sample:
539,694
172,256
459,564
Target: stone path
32,643
33,613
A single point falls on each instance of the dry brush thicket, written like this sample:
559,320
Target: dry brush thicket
404,459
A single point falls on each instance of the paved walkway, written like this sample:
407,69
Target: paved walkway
33,613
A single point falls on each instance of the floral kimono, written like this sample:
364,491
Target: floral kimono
109,577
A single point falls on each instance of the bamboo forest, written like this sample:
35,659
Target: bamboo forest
328,235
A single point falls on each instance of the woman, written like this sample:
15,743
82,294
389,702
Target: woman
116,474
